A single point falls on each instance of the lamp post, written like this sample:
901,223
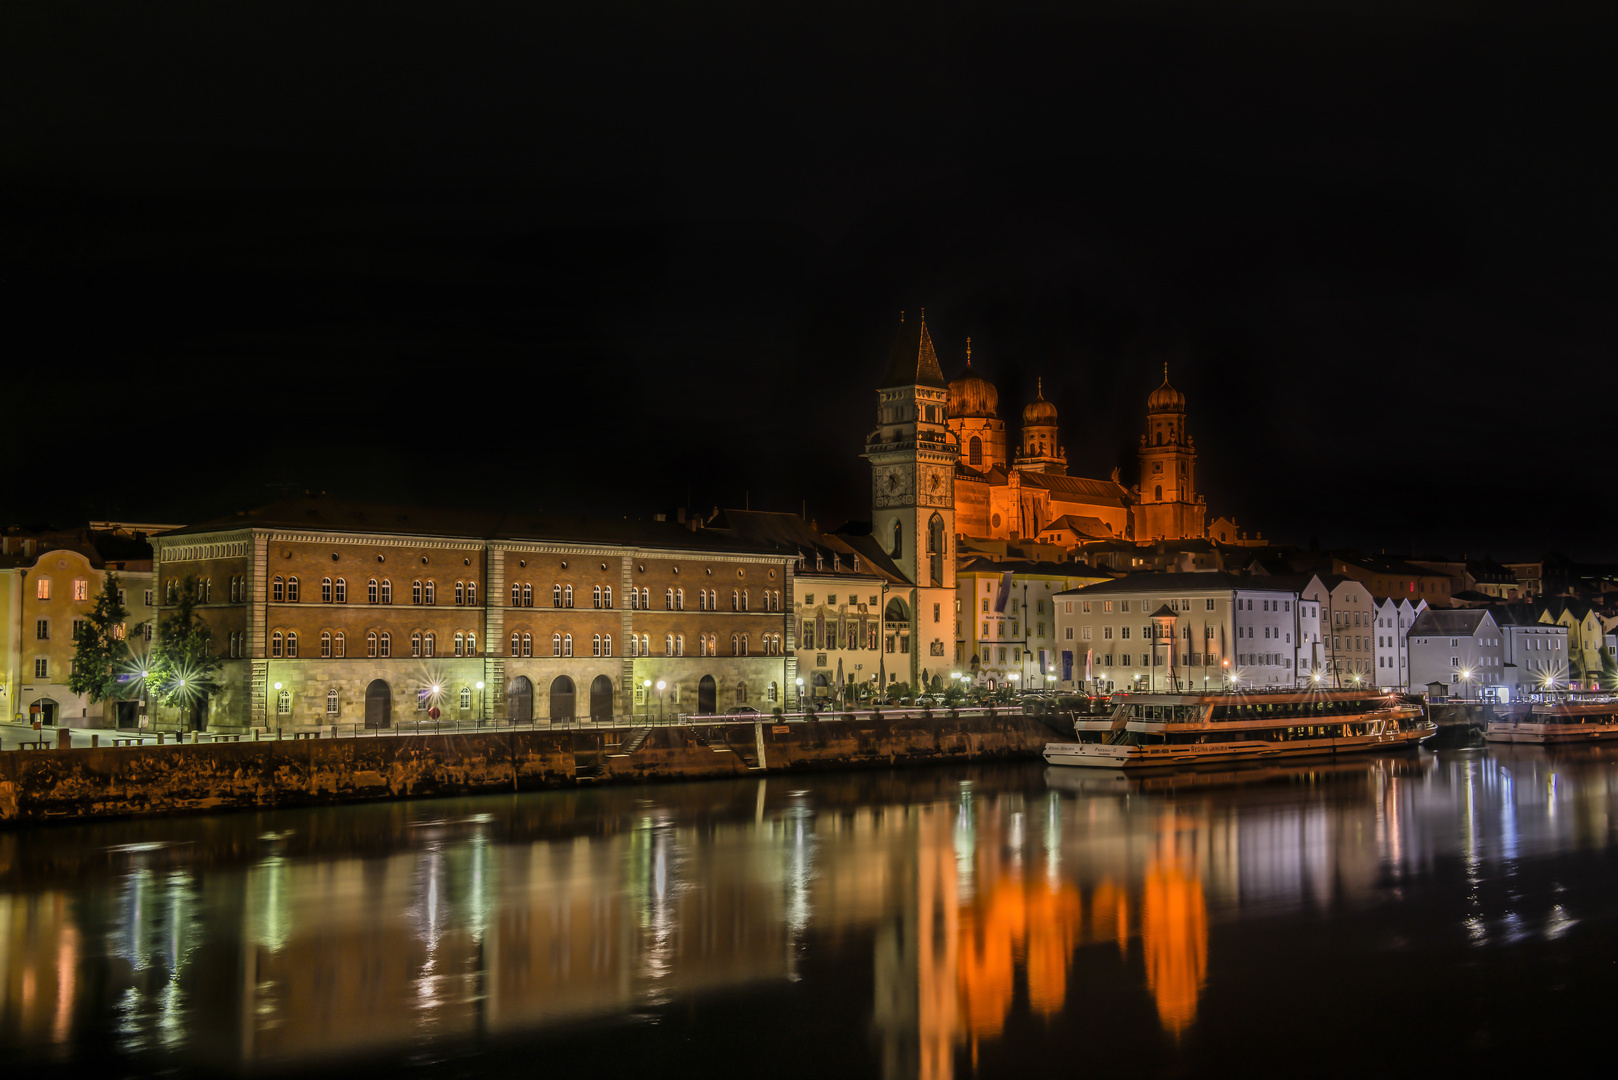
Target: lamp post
277,700
660,685
480,701
800,693
646,697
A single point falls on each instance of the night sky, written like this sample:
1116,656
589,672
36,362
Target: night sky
617,258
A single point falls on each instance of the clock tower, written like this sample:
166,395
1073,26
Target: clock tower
913,455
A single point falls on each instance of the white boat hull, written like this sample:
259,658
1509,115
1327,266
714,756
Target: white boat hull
1507,732
1110,756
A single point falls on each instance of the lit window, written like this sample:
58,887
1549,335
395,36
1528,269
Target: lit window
42,588
81,589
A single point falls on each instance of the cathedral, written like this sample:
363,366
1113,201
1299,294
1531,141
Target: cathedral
944,465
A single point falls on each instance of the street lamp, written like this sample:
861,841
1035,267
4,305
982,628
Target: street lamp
660,685
480,701
646,695
800,693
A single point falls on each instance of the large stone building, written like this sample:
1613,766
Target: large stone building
343,613
1026,492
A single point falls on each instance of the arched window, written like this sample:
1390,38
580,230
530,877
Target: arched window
634,599
735,645
527,595
668,599
775,692
567,596
556,644
607,597
634,645
460,643
645,645
606,645
278,590
516,594
898,539
745,650
744,599
679,599
429,644
741,693
702,599
387,591
370,644
646,599
325,590
679,644
1158,493
595,645
597,596
415,644
292,643
370,591
325,644
415,591
974,452
668,644
471,643
331,702
466,697
341,594
527,644
735,599
556,595
567,644
702,644
277,644
460,592
340,645
283,703
432,592
471,592
292,590
387,644
516,643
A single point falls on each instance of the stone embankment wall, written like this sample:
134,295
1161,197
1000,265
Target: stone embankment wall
74,785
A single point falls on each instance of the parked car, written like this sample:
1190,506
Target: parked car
742,710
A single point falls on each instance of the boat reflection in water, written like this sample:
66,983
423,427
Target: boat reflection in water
956,914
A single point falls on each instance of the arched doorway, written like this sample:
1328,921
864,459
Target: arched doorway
378,704
707,696
822,685
601,698
562,694
44,710
520,700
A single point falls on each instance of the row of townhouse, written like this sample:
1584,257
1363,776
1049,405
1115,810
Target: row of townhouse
1005,619
1502,652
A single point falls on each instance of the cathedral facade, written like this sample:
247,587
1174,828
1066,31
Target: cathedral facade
997,487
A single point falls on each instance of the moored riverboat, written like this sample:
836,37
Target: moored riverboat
1173,730
1583,720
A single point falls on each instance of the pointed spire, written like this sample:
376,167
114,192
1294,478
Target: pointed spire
913,361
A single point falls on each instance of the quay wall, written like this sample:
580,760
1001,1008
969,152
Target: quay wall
80,784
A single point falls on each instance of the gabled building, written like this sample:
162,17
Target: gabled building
1394,617
1536,652
1461,651
1006,618
1586,637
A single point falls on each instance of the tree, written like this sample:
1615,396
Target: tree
100,653
1609,671
184,671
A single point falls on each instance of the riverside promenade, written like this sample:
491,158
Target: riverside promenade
257,770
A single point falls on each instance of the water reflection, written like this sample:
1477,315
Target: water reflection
966,904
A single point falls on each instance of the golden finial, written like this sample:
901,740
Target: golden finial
901,317
1165,373
1039,392
924,315
968,352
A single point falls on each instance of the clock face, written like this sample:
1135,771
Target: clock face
892,487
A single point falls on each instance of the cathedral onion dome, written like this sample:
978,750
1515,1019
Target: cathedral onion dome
1165,398
1039,412
971,396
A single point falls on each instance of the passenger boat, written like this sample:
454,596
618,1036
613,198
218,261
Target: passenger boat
1558,722
1171,730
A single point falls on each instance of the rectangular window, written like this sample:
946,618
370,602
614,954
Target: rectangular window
1106,606
1084,606
1086,634
42,668
42,630
42,588
937,608
148,598
81,589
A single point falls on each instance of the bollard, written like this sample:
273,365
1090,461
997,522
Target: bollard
95,741
255,734
160,738
64,739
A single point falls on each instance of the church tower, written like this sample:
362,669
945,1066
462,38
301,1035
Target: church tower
1169,507
913,455
972,418
1039,451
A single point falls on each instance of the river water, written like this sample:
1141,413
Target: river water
1383,915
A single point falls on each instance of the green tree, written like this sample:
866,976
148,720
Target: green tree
183,671
100,653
